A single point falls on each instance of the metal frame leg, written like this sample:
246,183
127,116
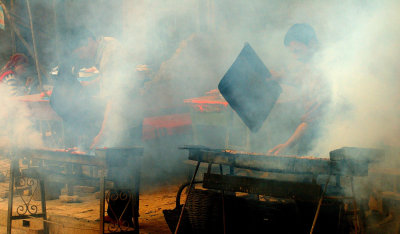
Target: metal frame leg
13,168
135,201
223,202
319,205
102,201
188,193
355,208
43,200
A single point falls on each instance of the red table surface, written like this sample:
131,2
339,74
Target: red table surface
172,124
40,108
153,127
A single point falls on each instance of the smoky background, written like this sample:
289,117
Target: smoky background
189,45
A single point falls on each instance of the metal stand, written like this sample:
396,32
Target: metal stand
26,210
124,168
34,177
357,226
319,205
188,193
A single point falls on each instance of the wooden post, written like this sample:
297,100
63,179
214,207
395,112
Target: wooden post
18,33
34,45
13,42
15,29
57,43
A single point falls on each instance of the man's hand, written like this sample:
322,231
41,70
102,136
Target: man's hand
100,135
277,150
298,133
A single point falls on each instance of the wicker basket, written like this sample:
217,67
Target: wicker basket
172,216
242,214
205,211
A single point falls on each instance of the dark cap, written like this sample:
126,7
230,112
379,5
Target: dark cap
303,33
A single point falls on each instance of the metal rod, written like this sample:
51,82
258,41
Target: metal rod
188,193
13,168
34,45
223,203
355,207
339,218
319,205
338,197
43,200
135,202
102,200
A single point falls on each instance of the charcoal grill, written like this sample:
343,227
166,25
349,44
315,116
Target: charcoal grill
344,162
39,168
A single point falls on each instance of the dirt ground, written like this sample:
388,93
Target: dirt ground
153,200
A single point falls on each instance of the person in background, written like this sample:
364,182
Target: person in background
116,91
306,89
116,88
13,75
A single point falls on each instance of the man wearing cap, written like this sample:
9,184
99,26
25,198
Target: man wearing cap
305,89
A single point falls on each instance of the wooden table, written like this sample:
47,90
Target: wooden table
45,118
181,120
39,107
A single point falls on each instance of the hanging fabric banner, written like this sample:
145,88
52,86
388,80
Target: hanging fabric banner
2,23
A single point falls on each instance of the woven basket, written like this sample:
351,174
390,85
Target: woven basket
172,216
242,214
205,211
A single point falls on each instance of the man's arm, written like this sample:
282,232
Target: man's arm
298,133
100,135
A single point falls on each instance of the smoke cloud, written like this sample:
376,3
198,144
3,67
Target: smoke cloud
361,65
16,128
188,46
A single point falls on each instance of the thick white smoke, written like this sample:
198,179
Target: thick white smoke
362,66
16,126
358,55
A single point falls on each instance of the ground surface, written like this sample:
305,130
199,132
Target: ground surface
85,215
